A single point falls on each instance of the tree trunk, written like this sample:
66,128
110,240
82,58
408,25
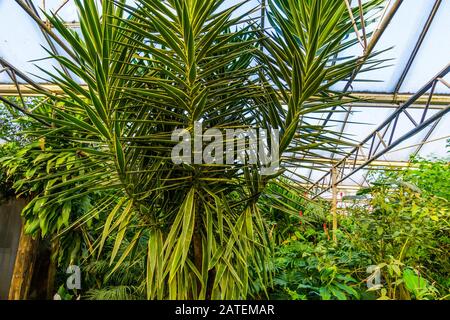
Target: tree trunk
24,267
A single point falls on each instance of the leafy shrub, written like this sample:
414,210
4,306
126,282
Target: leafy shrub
400,230
404,229
309,270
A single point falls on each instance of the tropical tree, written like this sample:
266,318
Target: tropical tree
139,72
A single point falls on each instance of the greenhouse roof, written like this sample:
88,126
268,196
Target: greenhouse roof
408,33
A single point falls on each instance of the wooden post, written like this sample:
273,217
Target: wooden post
24,267
334,202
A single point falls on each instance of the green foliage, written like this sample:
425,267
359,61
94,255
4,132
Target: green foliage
8,145
405,226
128,282
39,170
418,287
401,228
6,149
63,294
432,177
161,66
309,267
33,170
282,208
98,172
12,122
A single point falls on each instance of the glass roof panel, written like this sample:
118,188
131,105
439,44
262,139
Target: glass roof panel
434,54
398,40
21,42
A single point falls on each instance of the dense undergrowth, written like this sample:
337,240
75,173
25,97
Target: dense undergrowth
397,231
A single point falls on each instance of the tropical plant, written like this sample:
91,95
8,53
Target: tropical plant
11,124
5,186
404,230
12,121
158,66
393,241
282,208
308,266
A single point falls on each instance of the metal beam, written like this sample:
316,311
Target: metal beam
367,52
47,37
399,99
416,49
377,106
376,163
388,126
31,83
408,65
45,27
427,136
369,100
345,188
374,40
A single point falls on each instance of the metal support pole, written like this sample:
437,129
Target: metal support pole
334,202
418,45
